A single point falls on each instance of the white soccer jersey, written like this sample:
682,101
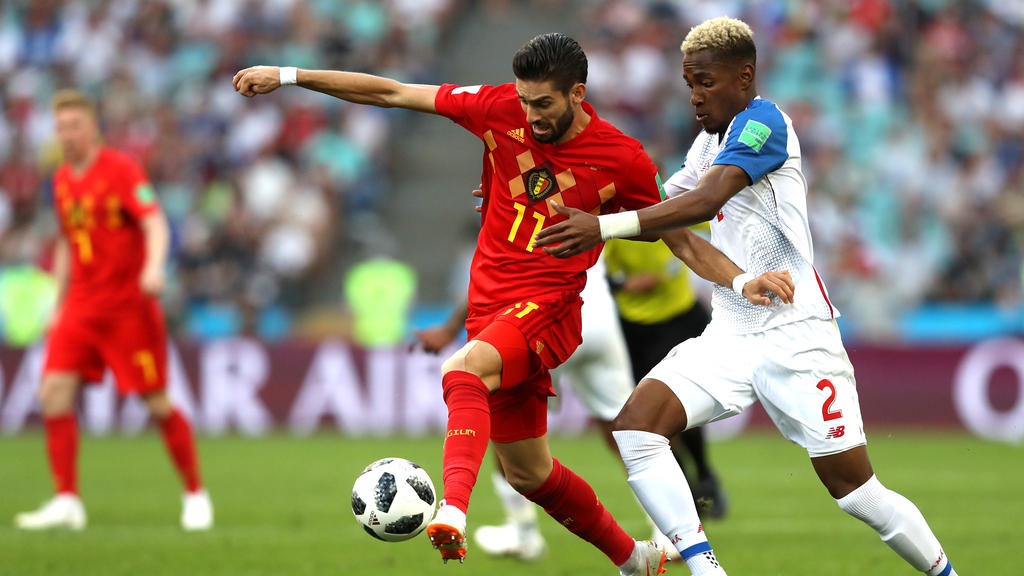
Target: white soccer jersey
597,295
763,227
599,371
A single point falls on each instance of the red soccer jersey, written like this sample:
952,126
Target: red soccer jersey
99,213
601,171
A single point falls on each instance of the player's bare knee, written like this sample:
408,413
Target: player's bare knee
159,406
627,420
651,408
479,358
56,394
844,472
484,361
635,415
454,363
524,480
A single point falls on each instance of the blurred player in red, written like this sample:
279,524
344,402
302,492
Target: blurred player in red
109,265
544,146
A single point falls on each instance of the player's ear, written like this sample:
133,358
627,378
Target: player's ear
746,75
577,93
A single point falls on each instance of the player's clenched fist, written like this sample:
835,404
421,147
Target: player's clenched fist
779,283
152,280
257,80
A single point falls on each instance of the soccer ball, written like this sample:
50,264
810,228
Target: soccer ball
393,499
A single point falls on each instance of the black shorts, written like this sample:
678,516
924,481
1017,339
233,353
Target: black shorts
649,343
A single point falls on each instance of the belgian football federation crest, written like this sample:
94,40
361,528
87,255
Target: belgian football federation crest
76,215
539,184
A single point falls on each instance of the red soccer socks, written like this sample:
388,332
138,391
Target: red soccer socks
468,431
181,446
570,500
62,450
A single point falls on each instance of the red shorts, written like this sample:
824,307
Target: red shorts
532,337
131,341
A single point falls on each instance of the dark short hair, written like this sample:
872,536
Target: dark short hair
551,57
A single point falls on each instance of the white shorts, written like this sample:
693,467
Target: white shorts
799,372
599,371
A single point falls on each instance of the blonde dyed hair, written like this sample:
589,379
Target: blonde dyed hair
73,99
730,36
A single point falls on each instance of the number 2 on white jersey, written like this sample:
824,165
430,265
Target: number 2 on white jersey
826,408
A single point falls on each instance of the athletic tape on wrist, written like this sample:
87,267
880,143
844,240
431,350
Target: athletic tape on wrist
619,225
289,75
740,281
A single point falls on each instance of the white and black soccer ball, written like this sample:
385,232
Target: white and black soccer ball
393,499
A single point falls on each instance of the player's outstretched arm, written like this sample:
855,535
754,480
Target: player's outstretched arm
349,86
701,204
583,231
61,267
709,263
436,338
157,235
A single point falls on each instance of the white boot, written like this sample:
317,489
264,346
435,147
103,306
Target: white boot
524,542
447,532
61,511
647,559
196,511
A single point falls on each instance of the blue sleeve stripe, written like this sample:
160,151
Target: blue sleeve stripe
757,141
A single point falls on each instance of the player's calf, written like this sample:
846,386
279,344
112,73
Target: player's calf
661,487
900,525
572,502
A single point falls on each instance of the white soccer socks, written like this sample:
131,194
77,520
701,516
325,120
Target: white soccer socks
900,525
520,535
518,509
661,487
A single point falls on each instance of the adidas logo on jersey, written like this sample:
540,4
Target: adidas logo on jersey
519,134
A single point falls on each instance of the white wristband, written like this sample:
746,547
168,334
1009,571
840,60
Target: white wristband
740,281
619,225
289,75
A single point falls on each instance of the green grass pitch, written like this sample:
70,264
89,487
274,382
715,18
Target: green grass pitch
282,506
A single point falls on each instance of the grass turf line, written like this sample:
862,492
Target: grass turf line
282,506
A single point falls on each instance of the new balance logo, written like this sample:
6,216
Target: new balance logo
519,134
835,432
942,554
676,538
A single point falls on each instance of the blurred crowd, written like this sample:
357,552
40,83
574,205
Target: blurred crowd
264,196
911,122
910,114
